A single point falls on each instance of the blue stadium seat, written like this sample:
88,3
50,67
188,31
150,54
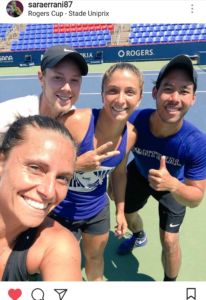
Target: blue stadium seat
108,38
49,30
75,45
106,31
131,35
171,39
74,34
156,28
44,27
74,39
149,40
87,33
62,35
38,26
142,29
13,47
43,41
197,32
32,37
186,38
133,26
136,30
38,31
25,42
56,40
175,33
202,37
156,40
44,31
160,34
170,27
153,34
68,34
149,29
87,38
163,28
82,44
19,47
43,46
94,38
25,47
179,39
141,41
49,41
50,35
38,41
31,47
140,24
145,34
68,40
20,43
138,35
167,33
203,31
93,33
95,44
80,33
14,43
189,32
37,47
200,26
62,40
99,32
192,26
100,37
81,39
38,36
48,45
194,38
163,39
178,27
134,41
21,38
185,27
50,26
182,32
102,43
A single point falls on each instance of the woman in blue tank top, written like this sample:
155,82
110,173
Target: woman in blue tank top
85,210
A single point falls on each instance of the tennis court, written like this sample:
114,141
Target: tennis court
145,263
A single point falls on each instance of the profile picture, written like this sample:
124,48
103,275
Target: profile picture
14,9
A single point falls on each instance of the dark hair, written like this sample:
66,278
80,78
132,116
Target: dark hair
180,67
16,133
123,66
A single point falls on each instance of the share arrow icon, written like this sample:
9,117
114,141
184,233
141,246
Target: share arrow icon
61,293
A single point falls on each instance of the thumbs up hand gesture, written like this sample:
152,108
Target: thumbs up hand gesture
161,180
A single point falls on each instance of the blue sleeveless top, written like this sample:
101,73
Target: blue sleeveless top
87,196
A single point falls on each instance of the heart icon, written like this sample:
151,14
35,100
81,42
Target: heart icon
14,294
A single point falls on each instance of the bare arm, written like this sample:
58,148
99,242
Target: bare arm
189,193
119,181
62,260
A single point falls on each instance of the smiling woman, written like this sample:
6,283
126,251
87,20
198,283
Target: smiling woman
32,182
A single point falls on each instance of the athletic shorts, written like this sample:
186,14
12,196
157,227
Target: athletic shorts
97,225
171,213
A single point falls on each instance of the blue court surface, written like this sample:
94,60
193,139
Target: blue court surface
144,264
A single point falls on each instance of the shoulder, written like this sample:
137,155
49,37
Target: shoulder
139,114
77,122
51,239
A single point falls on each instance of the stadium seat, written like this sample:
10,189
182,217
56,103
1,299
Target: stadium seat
87,33
31,47
175,33
156,40
13,47
197,32
68,40
202,37
25,47
178,27
149,40
108,38
182,32
153,34
194,38
163,28
138,35
200,26
186,38
163,39
192,26
133,26
19,47
74,34
87,38
145,34
156,28
102,43
171,39
136,30
167,33
100,37
142,29
149,29
25,42
88,44
37,47
141,41
82,44
106,32
74,39
95,44
134,41
68,34
179,39
170,27
80,34
131,35
14,43
99,32
160,34
185,27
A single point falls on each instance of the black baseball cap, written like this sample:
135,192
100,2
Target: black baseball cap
180,61
54,54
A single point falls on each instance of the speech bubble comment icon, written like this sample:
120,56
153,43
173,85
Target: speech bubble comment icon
37,294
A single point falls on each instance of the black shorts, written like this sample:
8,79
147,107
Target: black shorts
97,225
171,213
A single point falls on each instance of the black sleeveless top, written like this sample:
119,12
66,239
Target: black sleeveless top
15,269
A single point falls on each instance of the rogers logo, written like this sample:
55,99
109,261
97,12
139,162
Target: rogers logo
121,53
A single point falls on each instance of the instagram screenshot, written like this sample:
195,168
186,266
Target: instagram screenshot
118,195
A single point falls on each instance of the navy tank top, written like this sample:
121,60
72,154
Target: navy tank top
87,195
15,269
